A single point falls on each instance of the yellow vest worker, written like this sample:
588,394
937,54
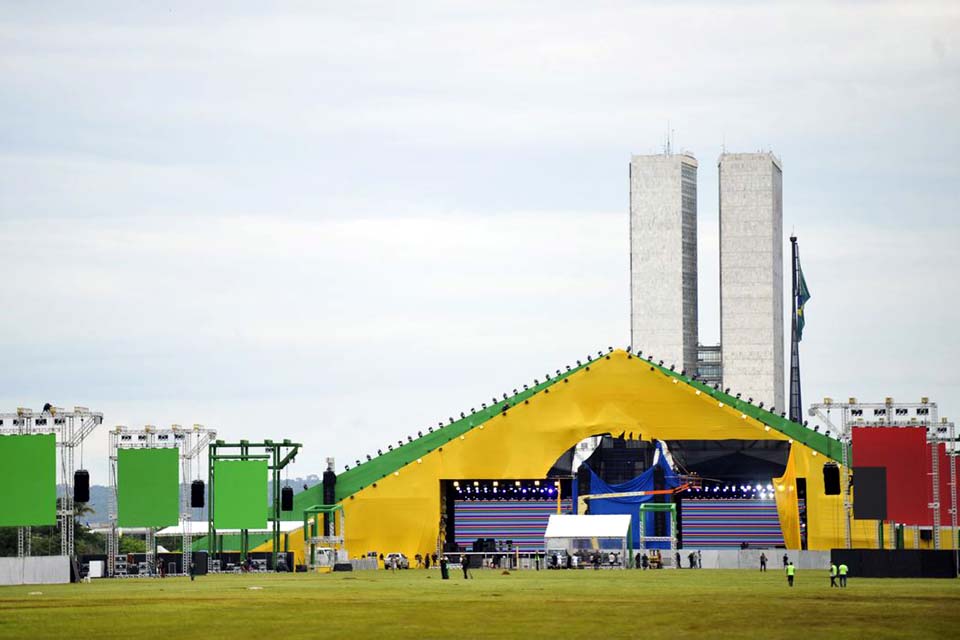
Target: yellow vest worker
833,575
791,571
843,574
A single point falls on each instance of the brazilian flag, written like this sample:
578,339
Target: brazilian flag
803,294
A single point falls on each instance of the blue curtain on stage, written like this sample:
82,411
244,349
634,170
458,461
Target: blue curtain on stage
631,505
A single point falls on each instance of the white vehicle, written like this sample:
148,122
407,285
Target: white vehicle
401,560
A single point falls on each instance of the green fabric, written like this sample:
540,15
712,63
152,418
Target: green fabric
28,473
803,294
843,569
148,487
240,494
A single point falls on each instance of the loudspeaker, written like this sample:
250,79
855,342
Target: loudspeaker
831,479
197,494
81,486
926,535
286,499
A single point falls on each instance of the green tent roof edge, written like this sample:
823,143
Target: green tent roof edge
356,479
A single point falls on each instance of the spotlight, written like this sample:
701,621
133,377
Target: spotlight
409,439
683,372
536,382
525,387
750,400
494,400
816,428
727,390
579,364
346,467
462,415
609,349
440,424
390,447
773,409
483,404
568,369
419,434
828,433
358,463
514,392
629,348
660,363
805,423
399,443
379,452
672,367
546,376
738,396
639,352
472,410
760,405
429,429
783,414
369,458
505,396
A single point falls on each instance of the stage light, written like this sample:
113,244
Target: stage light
773,409
727,390
568,369
660,364
476,484
369,458
750,400
683,372
535,382
346,467
390,447
536,483
546,376
514,392
483,405
456,483
429,429
358,463
525,387
579,364
505,396
419,434
783,414
440,424
816,427
672,367
761,405
493,400
738,396
828,433
516,483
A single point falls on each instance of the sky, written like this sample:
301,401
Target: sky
341,223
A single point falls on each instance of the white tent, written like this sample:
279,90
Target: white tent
572,534
200,528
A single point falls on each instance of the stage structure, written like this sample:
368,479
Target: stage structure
146,487
940,441
236,481
329,543
68,430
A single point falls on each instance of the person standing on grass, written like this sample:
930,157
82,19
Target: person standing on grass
465,563
843,570
193,570
791,571
763,562
786,560
833,574
645,561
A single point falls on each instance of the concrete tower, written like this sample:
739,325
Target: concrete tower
751,276
663,258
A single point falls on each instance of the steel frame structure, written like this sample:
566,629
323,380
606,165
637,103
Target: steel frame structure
896,414
278,456
70,428
190,444
332,539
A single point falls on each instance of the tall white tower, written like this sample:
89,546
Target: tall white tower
751,276
663,258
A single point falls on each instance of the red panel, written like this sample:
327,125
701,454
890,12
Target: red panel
904,452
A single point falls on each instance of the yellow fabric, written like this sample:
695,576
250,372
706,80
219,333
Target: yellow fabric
785,492
402,512
294,541
825,519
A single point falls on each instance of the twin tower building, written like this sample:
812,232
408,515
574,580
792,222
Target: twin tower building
663,270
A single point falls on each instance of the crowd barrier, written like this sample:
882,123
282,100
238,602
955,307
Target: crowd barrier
35,570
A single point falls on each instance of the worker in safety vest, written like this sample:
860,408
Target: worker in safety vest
833,574
843,574
791,571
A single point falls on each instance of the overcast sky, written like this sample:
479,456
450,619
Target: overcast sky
342,222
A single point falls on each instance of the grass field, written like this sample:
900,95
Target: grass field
528,604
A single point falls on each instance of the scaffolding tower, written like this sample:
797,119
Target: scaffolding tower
70,428
190,443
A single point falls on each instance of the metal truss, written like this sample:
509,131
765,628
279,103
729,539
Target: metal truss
190,443
896,414
70,428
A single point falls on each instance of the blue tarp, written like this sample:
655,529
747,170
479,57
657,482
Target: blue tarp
631,505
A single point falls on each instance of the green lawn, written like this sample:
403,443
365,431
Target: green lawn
526,604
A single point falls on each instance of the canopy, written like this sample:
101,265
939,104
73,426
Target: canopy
201,527
570,526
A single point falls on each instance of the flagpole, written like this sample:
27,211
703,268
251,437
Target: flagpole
796,404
